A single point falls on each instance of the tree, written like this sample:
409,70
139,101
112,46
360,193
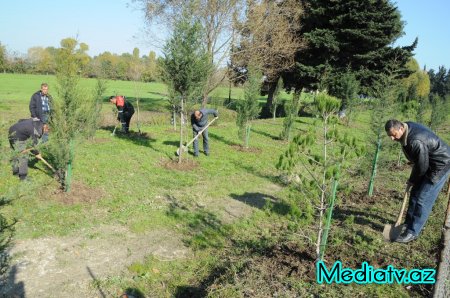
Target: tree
276,99
348,34
319,171
186,63
71,110
268,38
216,18
346,87
292,108
440,81
2,58
248,109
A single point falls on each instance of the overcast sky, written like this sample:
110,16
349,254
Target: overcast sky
118,26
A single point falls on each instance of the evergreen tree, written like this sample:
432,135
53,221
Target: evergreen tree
249,109
71,111
291,108
349,34
186,64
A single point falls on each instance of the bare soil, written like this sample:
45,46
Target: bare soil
80,193
185,165
70,266
243,149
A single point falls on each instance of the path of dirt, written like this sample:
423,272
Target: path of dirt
68,266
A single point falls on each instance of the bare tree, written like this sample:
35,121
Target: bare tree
268,38
217,18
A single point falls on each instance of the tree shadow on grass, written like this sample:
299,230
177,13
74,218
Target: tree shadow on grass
137,138
263,201
203,228
254,171
222,139
266,134
361,217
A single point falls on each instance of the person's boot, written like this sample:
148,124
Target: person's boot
23,178
15,171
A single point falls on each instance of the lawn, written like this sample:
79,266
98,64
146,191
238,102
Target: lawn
236,228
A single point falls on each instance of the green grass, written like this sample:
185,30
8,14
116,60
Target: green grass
231,210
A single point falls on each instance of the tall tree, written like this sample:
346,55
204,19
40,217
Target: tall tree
348,34
186,63
268,38
216,18
72,110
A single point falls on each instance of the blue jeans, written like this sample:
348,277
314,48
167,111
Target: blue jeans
421,203
205,142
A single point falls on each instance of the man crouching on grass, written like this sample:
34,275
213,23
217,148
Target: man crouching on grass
430,156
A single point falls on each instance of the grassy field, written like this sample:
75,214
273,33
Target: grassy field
239,226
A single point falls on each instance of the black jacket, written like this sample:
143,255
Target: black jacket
430,155
24,130
36,105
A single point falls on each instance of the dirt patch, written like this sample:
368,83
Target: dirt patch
79,193
379,194
264,272
243,149
69,266
185,165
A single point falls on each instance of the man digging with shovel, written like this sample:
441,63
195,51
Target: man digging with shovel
430,157
19,136
199,121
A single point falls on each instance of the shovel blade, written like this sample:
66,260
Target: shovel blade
184,148
391,232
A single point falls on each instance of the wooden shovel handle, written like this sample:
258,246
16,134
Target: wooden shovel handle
400,215
46,163
200,132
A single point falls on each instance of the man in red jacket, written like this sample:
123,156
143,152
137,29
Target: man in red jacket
126,111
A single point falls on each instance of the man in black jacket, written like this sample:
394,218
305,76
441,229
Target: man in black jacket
431,167
40,107
20,135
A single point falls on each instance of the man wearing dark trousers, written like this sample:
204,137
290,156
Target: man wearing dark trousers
125,111
40,108
199,119
430,157
22,134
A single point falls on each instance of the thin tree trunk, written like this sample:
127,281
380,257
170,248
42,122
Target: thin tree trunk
323,189
374,166
181,130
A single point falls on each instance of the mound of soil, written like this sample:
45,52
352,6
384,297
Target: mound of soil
185,165
243,149
79,193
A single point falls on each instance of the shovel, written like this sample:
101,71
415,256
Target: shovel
114,131
185,148
46,163
391,232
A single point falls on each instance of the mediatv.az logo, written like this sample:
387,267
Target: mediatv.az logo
367,274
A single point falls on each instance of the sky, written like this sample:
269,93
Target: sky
118,26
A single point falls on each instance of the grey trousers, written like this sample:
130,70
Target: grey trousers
19,160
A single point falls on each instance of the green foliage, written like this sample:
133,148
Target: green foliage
347,34
319,169
186,64
439,111
276,99
74,110
346,87
292,108
6,232
249,109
